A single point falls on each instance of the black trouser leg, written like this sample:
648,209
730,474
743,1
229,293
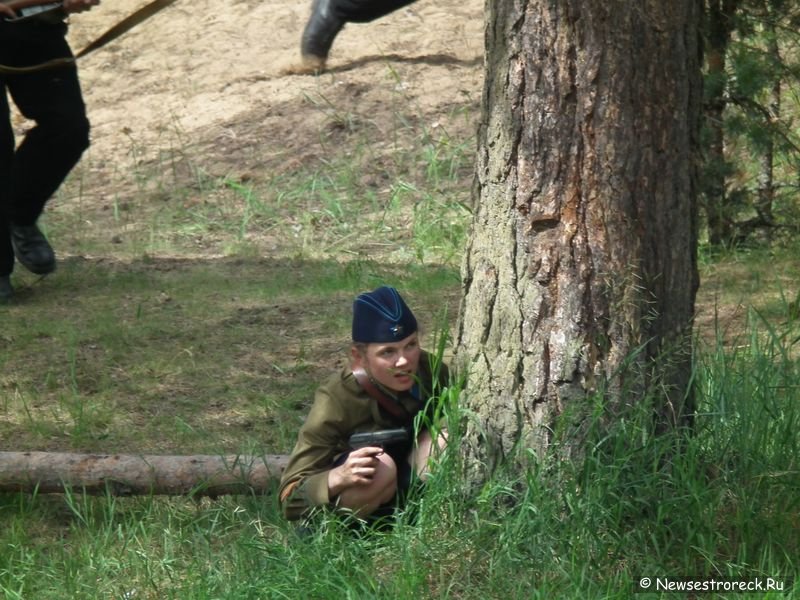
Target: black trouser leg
6,159
364,11
52,99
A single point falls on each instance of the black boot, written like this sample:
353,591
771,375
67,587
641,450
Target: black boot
32,249
6,291
319,34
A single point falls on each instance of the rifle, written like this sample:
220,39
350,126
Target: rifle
381,438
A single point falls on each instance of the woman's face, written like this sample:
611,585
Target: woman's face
393,364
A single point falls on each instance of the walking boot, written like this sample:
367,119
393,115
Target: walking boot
318,35
32,249
6,290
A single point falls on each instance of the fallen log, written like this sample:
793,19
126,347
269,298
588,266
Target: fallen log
132,475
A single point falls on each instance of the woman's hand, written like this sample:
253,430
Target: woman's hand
358,469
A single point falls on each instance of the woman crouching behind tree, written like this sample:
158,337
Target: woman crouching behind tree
389,382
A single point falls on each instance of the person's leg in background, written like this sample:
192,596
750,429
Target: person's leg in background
32,172
6,158
327,19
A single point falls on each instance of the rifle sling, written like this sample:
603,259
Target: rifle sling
50,64
388,404
126,24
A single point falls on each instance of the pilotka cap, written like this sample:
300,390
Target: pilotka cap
382,316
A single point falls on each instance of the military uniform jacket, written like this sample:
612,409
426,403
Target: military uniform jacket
341,407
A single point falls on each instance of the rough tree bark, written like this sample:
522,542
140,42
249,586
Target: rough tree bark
126,475
583,245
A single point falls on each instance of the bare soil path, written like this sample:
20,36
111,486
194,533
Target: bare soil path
209,76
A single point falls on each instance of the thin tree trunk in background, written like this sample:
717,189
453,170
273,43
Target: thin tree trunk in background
582,249
126,475
720,25
766,183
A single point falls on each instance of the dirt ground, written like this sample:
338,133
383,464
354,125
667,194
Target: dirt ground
211,76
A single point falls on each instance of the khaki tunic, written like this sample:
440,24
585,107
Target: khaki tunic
341,407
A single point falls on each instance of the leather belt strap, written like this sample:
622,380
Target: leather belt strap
388,404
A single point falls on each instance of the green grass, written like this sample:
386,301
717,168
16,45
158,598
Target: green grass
199,355
721,503
195,312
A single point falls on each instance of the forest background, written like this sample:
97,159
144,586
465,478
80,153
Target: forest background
210,244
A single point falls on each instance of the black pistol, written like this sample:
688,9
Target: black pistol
381,438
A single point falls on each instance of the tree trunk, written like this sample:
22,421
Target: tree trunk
766,180
126,475
721,24
580,273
